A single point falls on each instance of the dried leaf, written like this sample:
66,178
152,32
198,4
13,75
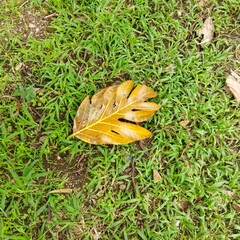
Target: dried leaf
203,3
226,89
122,186
228,193
18,109
62,190
236,207
108,118
233,82
184,123
168,68
184,205
156,176
207,31
187,146
19,66
177,223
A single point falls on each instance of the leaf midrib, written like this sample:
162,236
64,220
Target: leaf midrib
102,119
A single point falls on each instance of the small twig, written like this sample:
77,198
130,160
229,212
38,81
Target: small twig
5,215
32,109
85,56
49,218
140,142
141,145
187,146
51,15
133,177
236,53
24,3
18,108
8,96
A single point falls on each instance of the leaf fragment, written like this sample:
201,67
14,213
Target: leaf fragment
184,123
62,190
110,116
233,83
184,205
207,31
168,68
156,176
236,207
122,187
18,66
203,3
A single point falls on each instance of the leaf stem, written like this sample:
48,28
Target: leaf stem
72,135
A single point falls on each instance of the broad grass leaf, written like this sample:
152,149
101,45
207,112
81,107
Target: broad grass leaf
110,116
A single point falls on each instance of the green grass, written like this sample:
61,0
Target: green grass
89,45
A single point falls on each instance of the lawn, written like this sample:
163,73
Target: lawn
182,183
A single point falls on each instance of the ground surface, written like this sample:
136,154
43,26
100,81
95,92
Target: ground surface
54,53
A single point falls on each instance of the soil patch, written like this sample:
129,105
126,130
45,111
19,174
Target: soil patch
75,170
32,23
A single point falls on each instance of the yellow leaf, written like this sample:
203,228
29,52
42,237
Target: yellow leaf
110,116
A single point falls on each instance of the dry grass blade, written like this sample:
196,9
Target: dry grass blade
62,190
110,116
